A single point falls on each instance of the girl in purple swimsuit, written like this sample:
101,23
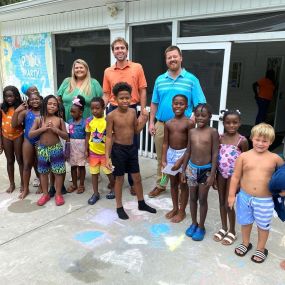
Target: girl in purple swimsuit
232,144
26,114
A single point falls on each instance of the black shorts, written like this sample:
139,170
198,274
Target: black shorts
125,159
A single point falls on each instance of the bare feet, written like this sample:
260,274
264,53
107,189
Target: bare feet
179,217
11,188
40,190
24,194
282,264
171,214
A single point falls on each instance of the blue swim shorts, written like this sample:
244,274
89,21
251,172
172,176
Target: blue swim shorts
250,209
197,174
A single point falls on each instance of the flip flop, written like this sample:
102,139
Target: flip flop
229,239
260,254
219,236
244,249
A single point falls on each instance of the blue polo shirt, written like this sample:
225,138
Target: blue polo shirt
165,88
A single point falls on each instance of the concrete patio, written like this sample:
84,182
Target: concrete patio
81,244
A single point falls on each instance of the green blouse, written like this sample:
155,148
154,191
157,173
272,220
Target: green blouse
67,97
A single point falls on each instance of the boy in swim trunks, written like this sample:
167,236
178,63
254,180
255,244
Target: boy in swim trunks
174,145
122,125
253,170
202,150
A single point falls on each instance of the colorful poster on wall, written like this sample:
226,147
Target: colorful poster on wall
27,60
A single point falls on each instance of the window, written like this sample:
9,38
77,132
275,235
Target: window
254,23
148,45
91,46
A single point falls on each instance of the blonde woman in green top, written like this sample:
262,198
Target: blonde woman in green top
80,83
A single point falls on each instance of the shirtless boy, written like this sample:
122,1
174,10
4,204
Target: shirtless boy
122,125
202,150
174,145
253,170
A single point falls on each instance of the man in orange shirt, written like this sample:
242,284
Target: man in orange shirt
264,89
124,70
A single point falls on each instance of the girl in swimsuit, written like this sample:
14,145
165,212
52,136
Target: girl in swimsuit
11,138
232,144
27,113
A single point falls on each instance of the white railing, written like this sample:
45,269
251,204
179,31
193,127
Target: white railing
147,150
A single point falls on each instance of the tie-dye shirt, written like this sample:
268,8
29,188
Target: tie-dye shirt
97,129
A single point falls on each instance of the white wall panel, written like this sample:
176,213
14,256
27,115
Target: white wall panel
144,10
139,11
91,18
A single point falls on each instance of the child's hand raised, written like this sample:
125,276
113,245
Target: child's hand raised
51,126
22,107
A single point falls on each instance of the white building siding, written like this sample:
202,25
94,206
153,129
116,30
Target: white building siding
132,13
85,19
153,10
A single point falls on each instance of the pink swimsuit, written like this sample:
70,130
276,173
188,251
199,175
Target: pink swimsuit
228,154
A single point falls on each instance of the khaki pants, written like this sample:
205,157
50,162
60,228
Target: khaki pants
158,140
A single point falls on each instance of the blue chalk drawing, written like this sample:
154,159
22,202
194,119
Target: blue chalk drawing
159,229
88,236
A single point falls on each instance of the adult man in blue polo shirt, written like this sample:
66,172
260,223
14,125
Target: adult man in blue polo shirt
175,81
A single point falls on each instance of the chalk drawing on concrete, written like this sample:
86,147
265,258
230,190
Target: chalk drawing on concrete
135,240
105,217
131,259
91,238
157,230
135,214
173,242
221,265
160,203
5,203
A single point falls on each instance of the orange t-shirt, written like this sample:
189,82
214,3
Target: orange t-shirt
266,88
132,73
7,131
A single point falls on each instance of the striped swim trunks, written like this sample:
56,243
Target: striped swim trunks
250,209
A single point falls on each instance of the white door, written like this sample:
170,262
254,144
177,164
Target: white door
210,63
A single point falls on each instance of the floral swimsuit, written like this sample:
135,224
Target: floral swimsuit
228,154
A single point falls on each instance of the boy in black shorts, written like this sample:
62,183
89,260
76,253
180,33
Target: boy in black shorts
122,125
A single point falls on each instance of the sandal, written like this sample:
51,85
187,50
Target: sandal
71,189
80,189
229,239
219,236
244,249
110,195
262,255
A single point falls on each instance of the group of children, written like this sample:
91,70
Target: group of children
198,158
36,131
195,158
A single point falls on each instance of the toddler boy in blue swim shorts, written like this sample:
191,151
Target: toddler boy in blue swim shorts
252,172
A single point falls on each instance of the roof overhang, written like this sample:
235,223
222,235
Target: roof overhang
35,8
